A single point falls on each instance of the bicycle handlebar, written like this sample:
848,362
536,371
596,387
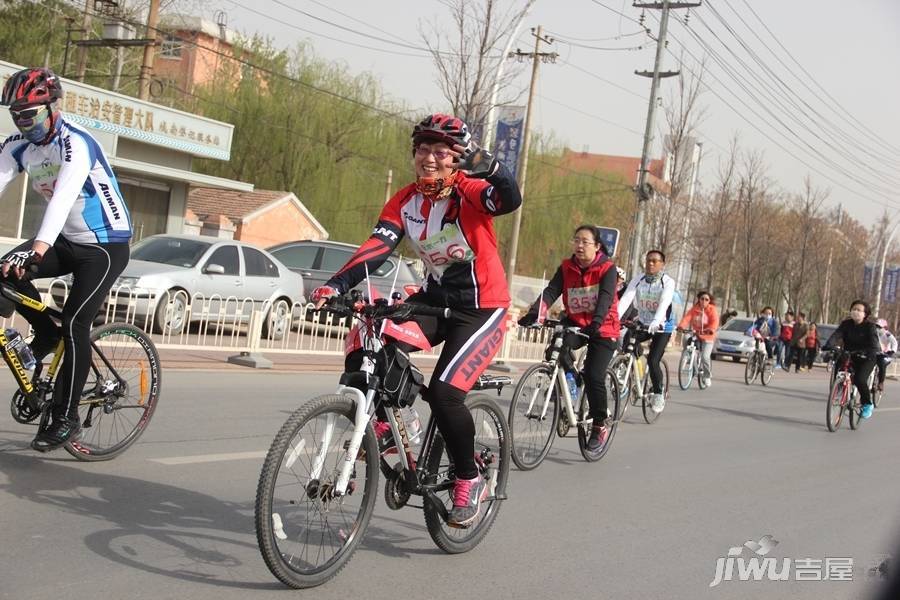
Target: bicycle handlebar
350,304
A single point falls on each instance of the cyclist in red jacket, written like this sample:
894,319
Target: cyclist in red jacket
447,215
587,283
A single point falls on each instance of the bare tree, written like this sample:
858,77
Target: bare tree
683,115
805,223
752,190
467,56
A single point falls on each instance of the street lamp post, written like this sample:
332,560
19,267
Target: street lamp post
876,305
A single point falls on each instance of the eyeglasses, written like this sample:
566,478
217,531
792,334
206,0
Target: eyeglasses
583,242
27,118
422,151
654,260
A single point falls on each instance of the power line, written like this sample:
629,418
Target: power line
786,92
753,93
607,81
587,114
847,113
603,39
739,113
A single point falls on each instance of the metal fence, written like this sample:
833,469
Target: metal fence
177,320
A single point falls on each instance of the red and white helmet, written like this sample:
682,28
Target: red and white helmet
442,128
30,87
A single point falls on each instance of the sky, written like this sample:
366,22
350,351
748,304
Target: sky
811,85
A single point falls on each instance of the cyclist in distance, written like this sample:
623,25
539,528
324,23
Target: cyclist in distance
587,282
767,327
888,349
859,334
703,319
651,293
447,215
85,231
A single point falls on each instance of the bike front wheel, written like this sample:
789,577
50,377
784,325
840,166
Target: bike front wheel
120,394
767,372
834,410
533,414
619,370
586,424
306,531
751,369
686,366
492,456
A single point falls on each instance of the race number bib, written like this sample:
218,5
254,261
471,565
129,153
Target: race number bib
445,248
583,299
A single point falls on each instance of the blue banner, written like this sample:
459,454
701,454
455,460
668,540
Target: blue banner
508,139
610,238
890,285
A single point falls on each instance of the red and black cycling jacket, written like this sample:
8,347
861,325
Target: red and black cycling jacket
453,236
589,295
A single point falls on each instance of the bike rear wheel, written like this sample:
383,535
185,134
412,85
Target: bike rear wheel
834,410
686,368
305,532
120,394
492,455
585,424
750,370
530,434
650,415
853,408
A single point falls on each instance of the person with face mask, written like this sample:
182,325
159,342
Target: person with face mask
859,335
767,327
85,231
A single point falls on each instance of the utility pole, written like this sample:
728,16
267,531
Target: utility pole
149,49
643,192
387,185
686,233
82,50
536,57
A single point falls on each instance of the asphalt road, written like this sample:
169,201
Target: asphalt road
173,517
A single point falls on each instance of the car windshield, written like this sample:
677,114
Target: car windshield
741,325
177,252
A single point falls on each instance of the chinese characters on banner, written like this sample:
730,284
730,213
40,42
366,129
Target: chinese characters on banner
508,139
610,238
889,284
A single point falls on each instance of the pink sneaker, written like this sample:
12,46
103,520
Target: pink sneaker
467,497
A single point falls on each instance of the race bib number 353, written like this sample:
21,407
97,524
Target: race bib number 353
583,300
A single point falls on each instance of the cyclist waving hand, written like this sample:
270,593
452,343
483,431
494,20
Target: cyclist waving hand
447,215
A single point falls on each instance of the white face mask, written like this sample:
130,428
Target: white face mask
858,315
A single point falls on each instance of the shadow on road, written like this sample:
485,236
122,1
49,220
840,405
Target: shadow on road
819,426
168,530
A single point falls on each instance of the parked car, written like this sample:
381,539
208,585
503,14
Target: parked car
732,340
167,271
318,260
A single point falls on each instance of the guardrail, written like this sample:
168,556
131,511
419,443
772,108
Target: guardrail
243,325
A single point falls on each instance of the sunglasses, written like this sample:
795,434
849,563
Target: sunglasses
26,118
422,151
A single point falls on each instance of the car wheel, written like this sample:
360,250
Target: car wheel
278,321
171,312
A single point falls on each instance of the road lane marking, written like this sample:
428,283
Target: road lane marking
208,458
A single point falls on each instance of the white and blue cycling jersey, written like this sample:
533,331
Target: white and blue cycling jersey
72,173
652,297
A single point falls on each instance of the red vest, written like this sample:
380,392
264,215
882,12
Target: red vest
580,293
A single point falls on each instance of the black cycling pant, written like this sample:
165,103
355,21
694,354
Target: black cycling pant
658,343
94,269
862,369
471,337
882,363
599,354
